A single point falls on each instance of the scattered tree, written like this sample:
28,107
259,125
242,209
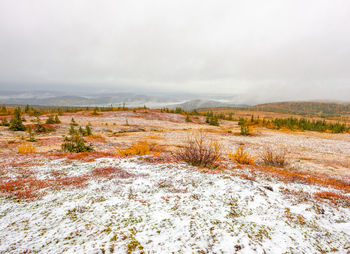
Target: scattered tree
188,119
75,142
50,120
95,113
31,134
245,130
26,109
40,128
57,120
73,123
16,123
4,122
88,130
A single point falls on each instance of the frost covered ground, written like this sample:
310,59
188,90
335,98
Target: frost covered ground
165,208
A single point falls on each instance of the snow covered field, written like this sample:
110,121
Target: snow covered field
169,208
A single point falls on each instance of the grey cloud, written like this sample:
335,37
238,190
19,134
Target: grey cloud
270,49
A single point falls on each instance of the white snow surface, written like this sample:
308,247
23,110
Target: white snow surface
170,208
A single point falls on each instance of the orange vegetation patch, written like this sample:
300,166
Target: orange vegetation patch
76,181
139,148
49,140
108,171
20,164
19,160
27,188
305,178
159,159
97,138
84,157
241,156
31,187
245,176
333,197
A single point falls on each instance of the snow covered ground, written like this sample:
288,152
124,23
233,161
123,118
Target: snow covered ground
170,208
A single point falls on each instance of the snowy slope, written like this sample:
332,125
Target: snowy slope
164,208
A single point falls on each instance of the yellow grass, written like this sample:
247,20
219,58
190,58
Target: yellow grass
241,156
96,136
26,148
140,148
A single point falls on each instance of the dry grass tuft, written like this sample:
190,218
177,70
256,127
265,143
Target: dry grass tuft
97,137
241,156
199,151
26,148
274,158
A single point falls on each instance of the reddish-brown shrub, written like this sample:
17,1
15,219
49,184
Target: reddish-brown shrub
159,159
105,172
333,197
23,188
108,171
293,176
199,151
274,158
76,181
85,156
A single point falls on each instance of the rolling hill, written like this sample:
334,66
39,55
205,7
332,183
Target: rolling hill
304,108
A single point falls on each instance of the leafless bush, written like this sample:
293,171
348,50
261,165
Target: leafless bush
200,151
274,158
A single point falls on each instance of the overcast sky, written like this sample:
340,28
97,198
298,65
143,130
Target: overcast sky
274,49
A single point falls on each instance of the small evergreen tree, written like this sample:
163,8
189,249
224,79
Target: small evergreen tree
88,130
36,113
4,122
31,134
82,131
188,119
3,110
73,122
214,121
16,123
39,128
75,143
57,120
207,120
71,130
50,120
95,113
245,131
26,109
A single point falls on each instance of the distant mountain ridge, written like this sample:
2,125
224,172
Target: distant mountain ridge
116,100
129,99
202,104
169,100
305,107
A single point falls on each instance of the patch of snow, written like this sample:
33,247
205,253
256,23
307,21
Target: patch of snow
169,208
